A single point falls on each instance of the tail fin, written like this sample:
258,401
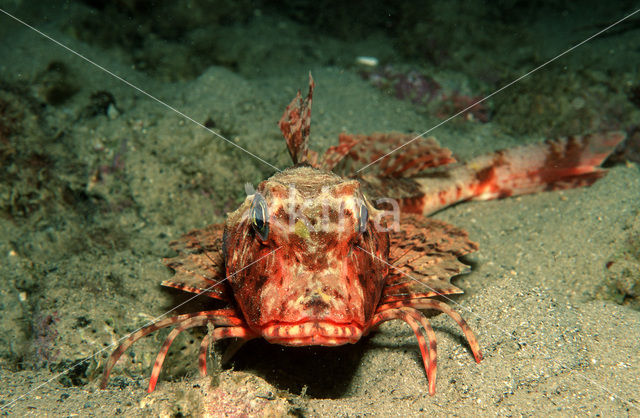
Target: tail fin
552,165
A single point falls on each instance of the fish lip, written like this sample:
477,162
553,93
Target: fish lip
312,332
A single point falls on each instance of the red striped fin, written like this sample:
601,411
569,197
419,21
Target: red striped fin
199,265
426,251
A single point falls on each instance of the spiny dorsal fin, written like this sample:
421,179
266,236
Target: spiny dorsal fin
295,125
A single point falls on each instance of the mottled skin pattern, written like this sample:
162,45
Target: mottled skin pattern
310,257
315,283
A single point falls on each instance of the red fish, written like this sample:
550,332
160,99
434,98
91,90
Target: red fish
313,258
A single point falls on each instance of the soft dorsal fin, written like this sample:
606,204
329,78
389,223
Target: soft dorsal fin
356,151
295,125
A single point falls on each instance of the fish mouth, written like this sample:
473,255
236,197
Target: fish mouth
325,333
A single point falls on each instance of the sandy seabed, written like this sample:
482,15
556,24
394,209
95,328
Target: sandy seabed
98,178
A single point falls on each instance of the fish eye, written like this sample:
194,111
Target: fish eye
363,218
260,217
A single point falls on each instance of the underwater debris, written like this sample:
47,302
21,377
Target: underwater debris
629,150
413,85
55,85
634,95
100,103
622,282
421,89
457,102
43,340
